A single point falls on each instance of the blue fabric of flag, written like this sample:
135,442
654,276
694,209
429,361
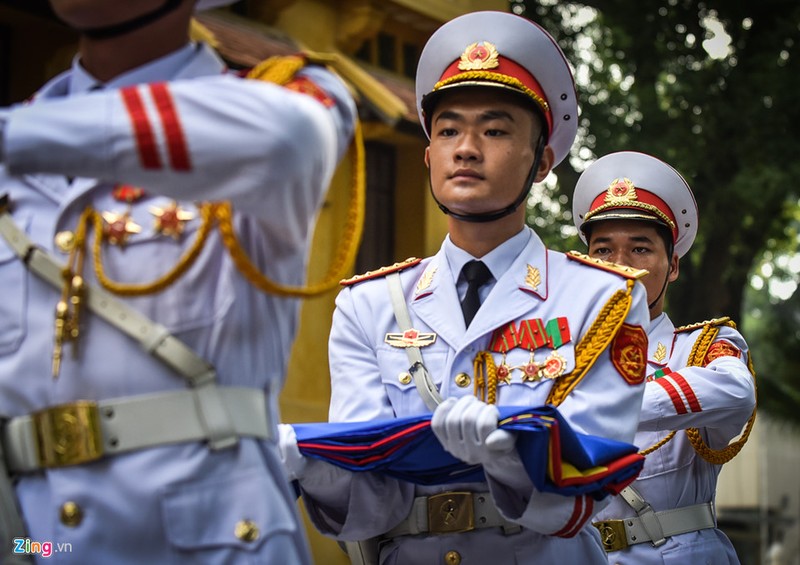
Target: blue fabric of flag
557,458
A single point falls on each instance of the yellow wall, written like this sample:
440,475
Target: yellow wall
443,10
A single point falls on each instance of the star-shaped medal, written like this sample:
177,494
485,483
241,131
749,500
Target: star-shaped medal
171,220
504,374
118,227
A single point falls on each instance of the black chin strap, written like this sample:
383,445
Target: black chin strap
670,251
132,24
511,208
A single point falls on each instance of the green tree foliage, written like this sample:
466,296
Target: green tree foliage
729,124
712,88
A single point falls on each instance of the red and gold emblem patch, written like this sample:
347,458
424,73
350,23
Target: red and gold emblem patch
721,349
629,353
306,86
479,56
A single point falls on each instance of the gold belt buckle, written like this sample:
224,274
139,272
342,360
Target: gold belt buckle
68,434
450,512
612,534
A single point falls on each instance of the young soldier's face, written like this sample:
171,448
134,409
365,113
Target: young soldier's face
636,244
482,148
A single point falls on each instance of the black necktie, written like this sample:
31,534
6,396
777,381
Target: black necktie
476,274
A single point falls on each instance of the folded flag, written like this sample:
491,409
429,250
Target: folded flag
557,458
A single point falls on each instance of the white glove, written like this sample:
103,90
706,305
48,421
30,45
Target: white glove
467,429
293,461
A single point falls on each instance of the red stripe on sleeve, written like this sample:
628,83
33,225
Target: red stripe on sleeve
145,140
691,398
581,513
176,141
677,401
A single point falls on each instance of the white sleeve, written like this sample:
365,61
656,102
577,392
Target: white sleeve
720,395
262,146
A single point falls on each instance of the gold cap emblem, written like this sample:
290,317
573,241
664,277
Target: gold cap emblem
621,190
479,56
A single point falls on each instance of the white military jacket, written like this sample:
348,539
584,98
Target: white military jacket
207,135
717,398
369,382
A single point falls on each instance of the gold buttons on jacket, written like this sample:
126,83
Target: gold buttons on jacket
64,241
71,514
404,378
246,530
463,380
452,558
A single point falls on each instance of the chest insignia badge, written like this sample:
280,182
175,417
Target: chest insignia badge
410,338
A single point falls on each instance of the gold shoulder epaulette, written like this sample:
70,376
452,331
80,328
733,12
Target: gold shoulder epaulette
383,271
724,321
627,272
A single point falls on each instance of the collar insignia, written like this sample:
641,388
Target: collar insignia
425,280
661,353
533,279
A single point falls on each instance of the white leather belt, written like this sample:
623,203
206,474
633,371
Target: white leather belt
84,431
619,534
452,512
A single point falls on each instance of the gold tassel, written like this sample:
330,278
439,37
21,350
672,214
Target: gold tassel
600,334
696,358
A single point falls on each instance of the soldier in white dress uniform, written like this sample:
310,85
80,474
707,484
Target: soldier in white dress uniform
497,100
636,210
139,387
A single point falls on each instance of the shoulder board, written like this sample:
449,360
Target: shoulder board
382,272
724,321
622,270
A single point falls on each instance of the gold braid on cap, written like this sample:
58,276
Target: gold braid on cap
602,331
493,77
696,357
631,204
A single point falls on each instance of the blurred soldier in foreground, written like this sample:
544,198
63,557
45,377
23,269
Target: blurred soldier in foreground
139,369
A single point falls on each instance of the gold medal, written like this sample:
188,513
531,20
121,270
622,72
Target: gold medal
118,227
